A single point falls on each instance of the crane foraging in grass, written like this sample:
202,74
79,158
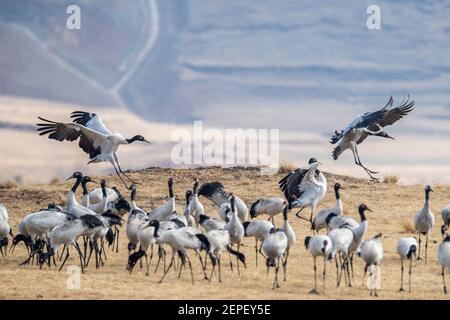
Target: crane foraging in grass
95,138
368,124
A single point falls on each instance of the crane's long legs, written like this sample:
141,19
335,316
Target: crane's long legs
65,259
314,291
359,163
256,251
120,176
410,273
426,248
275,282
126,176
81,256
285,265
324,273
168,268
420,242
443,280
401,277
237,259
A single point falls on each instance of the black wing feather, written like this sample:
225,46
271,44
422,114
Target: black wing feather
209,189
58,131
91,221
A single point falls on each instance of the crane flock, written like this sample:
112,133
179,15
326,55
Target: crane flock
93,224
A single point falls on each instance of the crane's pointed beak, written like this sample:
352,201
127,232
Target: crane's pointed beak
70,178
145,140
391,137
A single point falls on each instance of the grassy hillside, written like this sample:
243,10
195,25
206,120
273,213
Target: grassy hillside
393,208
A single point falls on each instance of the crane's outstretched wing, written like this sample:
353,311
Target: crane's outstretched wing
395,114
90,140
392,116
215,192
363,121
290,183
90,120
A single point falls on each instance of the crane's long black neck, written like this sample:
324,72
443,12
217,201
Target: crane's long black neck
84,186
336,193
195,188
285,212
104,190
135,138
170,190
156,226
133,194
427,195
76,184
362,214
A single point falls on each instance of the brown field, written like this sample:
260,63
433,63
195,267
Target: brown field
393,208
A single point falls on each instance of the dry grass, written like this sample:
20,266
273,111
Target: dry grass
392,206
54,181
391,179
8,185
408,227
286,167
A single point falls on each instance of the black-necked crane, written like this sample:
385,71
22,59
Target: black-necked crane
196,208
406,249
259,230
218,241
135,219
372,254
424,221
102,206
162,212
319,246
235,229
147,238
37,226
95,138
181,240
215,191
444,258
368,124
86,199
209,224
274,247
190,221
346,240
323,217
270,206
304,187
68,233
73,207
